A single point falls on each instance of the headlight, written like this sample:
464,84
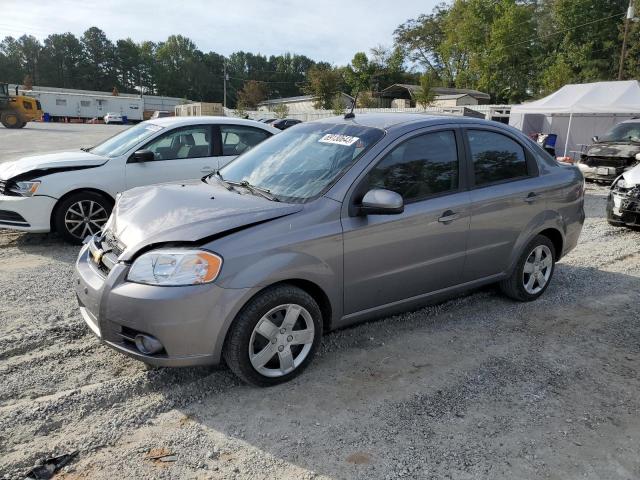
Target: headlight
175,267
621,183
26,189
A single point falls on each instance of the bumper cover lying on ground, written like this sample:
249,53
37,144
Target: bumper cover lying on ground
188,321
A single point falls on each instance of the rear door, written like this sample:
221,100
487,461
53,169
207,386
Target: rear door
505,196
237,139
179,154
390,258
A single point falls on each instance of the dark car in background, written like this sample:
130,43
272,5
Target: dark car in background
285,123
613,153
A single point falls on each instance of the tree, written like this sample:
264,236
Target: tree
337,106
358,73
323,83
425,96
281,110
28,82
251,94
98,64
555,76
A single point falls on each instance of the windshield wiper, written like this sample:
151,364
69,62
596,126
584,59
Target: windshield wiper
86,149
218,177
263,192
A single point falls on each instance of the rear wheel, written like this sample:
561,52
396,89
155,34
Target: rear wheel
81,214
274,337
10,120
533,273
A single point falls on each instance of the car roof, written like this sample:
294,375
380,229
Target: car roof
186,121
392,121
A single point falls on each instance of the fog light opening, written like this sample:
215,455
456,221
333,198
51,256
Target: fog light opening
147,344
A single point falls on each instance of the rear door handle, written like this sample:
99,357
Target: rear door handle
206,170
448,216
531,197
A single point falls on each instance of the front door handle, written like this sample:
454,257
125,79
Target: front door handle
448,216
531,197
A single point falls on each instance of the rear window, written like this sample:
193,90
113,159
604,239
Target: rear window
496,157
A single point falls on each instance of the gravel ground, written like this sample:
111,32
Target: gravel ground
476,387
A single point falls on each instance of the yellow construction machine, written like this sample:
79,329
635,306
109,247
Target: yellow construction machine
17,110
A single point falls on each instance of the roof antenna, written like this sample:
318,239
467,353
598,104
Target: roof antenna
353,105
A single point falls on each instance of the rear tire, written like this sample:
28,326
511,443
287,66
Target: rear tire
80,215
533,272
274,337
10,120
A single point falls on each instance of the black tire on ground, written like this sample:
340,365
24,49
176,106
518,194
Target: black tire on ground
10,120
236,346
513,286
78,235
23,125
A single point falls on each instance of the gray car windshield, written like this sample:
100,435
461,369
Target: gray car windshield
302,162
123,141
623,132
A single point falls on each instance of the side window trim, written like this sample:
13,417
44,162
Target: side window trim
532,165
462,165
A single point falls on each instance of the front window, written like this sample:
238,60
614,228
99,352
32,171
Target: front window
298,165
623,132
189,142
123,141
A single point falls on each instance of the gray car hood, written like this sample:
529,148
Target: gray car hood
186,212
624,150
51,161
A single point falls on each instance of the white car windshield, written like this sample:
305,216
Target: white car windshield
300,163
123,141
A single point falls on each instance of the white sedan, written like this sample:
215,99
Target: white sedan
73,192
113,118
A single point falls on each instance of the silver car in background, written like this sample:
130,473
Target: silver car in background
327,224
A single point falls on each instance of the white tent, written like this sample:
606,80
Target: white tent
578,112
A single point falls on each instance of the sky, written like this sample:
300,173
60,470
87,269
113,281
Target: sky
328,30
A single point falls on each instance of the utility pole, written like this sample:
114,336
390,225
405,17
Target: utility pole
628,18
225,78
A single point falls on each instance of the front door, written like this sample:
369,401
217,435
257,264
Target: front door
389,258
180,154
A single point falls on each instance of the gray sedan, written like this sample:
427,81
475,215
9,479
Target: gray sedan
327,224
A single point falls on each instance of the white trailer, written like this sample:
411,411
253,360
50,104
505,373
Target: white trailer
84,105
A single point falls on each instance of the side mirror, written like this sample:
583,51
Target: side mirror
143,156
595,139
638,156
381,202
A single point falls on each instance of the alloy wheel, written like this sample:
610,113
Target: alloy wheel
537,269
281,340
85,217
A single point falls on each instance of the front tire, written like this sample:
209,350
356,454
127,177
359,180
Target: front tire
80,215
274,337
534,271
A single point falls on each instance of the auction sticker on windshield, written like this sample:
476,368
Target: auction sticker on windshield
338,139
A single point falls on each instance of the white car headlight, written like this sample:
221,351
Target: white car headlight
175,267
621,183
25,189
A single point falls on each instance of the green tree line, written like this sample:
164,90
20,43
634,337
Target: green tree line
511,49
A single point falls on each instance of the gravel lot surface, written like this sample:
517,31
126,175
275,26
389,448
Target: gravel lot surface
476,387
